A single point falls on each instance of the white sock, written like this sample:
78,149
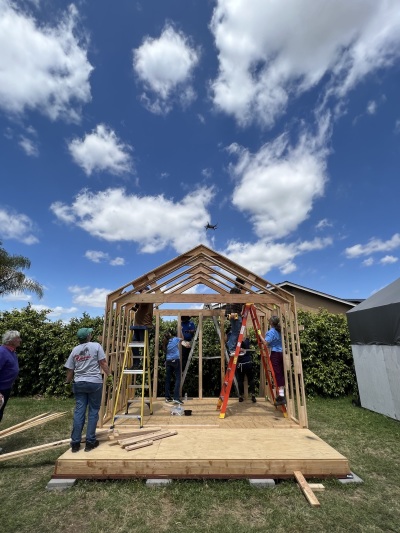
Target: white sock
281,391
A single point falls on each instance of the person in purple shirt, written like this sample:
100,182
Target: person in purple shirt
9,367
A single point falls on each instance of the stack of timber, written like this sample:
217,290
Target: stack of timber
28,424
140,438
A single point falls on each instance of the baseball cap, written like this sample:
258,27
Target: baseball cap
83,333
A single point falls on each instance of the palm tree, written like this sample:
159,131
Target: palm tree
11,277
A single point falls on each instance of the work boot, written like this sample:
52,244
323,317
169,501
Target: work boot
91,445
280,400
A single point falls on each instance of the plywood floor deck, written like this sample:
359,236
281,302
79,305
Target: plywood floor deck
252,441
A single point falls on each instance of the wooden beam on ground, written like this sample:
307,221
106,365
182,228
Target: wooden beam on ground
38,422
35,449
305,487
316,487
12,428
100,434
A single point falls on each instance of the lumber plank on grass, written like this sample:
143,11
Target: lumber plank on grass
38,422
305,487
316,487
34,449
4,432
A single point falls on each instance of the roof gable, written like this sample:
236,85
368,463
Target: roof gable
198,275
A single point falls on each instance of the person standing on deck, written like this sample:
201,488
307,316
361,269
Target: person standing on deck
273,341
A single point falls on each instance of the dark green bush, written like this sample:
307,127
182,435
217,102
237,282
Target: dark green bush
328,365
325,348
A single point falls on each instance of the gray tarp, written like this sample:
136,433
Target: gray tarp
376,320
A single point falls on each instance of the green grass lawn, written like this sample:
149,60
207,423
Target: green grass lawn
370,441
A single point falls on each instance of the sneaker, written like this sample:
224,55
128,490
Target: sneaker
280,400
241,399
179,402
75,447
168,400
91,445
253,399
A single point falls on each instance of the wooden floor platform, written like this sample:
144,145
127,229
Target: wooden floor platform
252,441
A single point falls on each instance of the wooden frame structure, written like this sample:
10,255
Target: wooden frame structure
179,281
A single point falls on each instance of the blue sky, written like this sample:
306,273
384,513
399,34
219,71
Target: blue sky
126,126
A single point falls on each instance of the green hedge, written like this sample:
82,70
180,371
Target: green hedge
325,348
328,365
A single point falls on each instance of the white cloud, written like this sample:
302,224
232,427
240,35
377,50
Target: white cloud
88,297
263,256
29,146
371,107
165,66
17,297
322,224
271,52
117,261
368,262
101,150
99,257
55,312
154,222
278,185
373,246
17,226
388,260
42,68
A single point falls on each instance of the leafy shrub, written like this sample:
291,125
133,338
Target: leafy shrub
325,348
328,366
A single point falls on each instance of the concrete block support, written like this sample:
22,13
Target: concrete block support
157,482
60,484
262,483
352,478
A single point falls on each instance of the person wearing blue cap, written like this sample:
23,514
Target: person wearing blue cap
84,366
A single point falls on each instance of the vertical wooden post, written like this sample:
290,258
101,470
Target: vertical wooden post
200,356
156,351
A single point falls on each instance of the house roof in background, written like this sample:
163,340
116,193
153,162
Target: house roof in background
288,284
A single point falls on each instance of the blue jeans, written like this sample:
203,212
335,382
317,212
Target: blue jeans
173,367
6,394
235,330
86,395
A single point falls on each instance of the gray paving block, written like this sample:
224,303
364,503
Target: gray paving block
60,484
262,483
352,478
157,482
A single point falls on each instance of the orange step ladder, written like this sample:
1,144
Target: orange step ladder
230,371
265,359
